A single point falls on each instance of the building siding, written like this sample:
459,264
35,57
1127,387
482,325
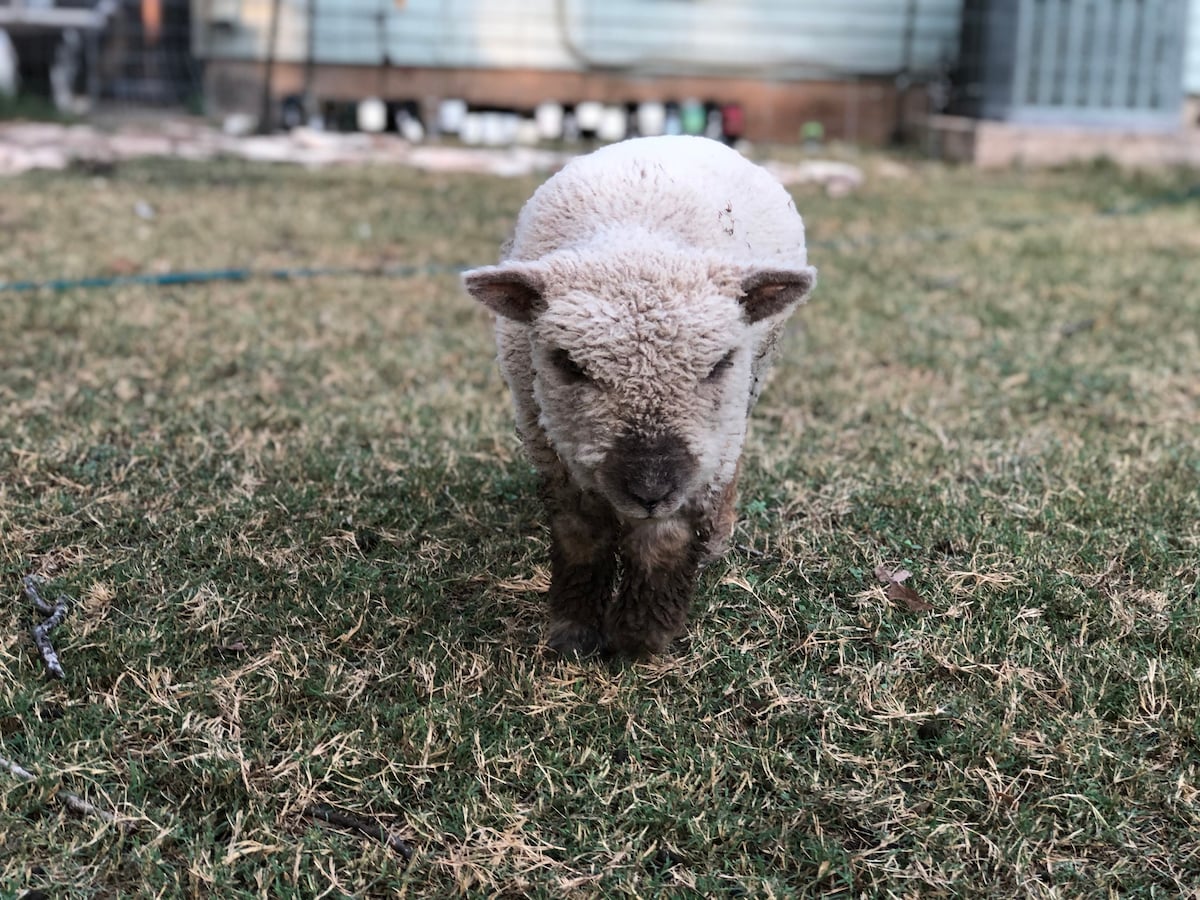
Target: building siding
1191,60
779,39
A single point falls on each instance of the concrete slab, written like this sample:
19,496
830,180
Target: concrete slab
992,145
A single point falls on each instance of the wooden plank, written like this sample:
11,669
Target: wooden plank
1191,64
1056,48
1147,63
1170,68
1024,57
1048,62
1071,91
1100,54
1124,47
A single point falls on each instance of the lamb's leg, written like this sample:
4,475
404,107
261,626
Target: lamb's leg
651,605
583,565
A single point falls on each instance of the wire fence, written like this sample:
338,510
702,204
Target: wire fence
72,56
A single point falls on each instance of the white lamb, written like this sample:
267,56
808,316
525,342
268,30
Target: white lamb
638,309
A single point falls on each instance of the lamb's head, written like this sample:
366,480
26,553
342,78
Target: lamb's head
643,363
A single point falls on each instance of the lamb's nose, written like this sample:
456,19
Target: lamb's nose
652,481
649,470
650,491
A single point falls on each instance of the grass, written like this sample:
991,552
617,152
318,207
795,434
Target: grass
309,562
30,107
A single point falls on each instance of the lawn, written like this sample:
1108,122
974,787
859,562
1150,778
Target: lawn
307,560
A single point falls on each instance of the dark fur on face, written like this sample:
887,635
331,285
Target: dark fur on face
651,473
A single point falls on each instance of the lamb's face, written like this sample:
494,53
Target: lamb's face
642,366
643,388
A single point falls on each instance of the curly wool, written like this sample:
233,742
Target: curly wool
691,194
640,252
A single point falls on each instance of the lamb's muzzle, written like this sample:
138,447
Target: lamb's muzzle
646,476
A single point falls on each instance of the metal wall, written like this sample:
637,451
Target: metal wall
1101,62
776,38
1191,64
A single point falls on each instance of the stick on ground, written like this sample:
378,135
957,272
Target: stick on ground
71,801
41,633
337,817
30,583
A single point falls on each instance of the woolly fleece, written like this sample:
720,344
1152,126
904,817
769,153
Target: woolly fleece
648,262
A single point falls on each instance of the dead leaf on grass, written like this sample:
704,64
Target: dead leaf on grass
234,647
892,576
912,601
898,592
122,265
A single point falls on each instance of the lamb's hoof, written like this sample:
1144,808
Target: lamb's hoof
570,640
636,648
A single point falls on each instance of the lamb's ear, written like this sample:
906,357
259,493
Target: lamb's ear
511,290
768,292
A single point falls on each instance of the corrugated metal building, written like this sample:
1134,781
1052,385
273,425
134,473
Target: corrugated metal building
785,61
1191,68
777,38
1115,64
846,65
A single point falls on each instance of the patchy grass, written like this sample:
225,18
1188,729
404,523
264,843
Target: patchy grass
308,560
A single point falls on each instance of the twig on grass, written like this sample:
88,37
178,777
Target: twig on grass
30,583
72,801
41,633
340,819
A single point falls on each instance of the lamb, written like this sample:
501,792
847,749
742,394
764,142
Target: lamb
638,308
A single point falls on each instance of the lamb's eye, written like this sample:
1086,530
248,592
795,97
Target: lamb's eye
570,370
724,363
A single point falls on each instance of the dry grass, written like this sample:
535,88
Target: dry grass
309,562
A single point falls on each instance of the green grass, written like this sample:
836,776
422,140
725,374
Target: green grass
309,561
30,107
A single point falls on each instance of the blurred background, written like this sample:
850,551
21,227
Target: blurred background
502,72
251,420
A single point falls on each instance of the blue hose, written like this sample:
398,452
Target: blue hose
205,276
